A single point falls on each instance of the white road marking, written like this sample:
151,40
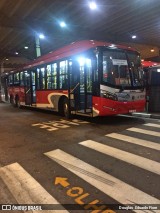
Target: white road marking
113,187
25,188
133,140
135,160
143,131
152,125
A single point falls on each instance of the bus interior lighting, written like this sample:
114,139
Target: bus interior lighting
81,61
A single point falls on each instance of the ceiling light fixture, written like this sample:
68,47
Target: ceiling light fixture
62,24
41,36
92,5
134,36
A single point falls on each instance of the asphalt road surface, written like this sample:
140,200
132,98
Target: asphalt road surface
79,165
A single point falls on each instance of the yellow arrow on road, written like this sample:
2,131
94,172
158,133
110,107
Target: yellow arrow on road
62,181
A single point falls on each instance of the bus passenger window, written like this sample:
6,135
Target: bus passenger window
49,79
16,78
42,78
63,75
52,76
89,74
33,78
38,78
21,78
10,79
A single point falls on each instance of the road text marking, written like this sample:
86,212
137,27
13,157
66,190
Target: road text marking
79,196
113,187
61,124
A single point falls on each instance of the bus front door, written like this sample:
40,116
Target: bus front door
30,93
82,81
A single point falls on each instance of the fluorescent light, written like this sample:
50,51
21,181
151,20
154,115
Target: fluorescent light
62,24
41,36
134,36
92,5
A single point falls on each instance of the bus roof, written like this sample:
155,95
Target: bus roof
70,50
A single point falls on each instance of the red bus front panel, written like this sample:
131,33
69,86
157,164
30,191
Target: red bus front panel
103,106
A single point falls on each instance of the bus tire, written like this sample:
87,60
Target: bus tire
17,102
66,110
12,100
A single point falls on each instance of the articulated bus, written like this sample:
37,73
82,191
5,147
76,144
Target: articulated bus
92,78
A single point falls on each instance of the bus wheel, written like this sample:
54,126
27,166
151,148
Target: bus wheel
66,110
17,102
12,100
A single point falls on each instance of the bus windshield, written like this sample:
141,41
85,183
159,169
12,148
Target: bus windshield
121,68
135,67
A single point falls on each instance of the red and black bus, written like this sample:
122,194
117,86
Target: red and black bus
87,77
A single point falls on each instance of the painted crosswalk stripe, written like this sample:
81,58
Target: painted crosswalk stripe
113,187
133,159
143,131
25,188
133,140
152,125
